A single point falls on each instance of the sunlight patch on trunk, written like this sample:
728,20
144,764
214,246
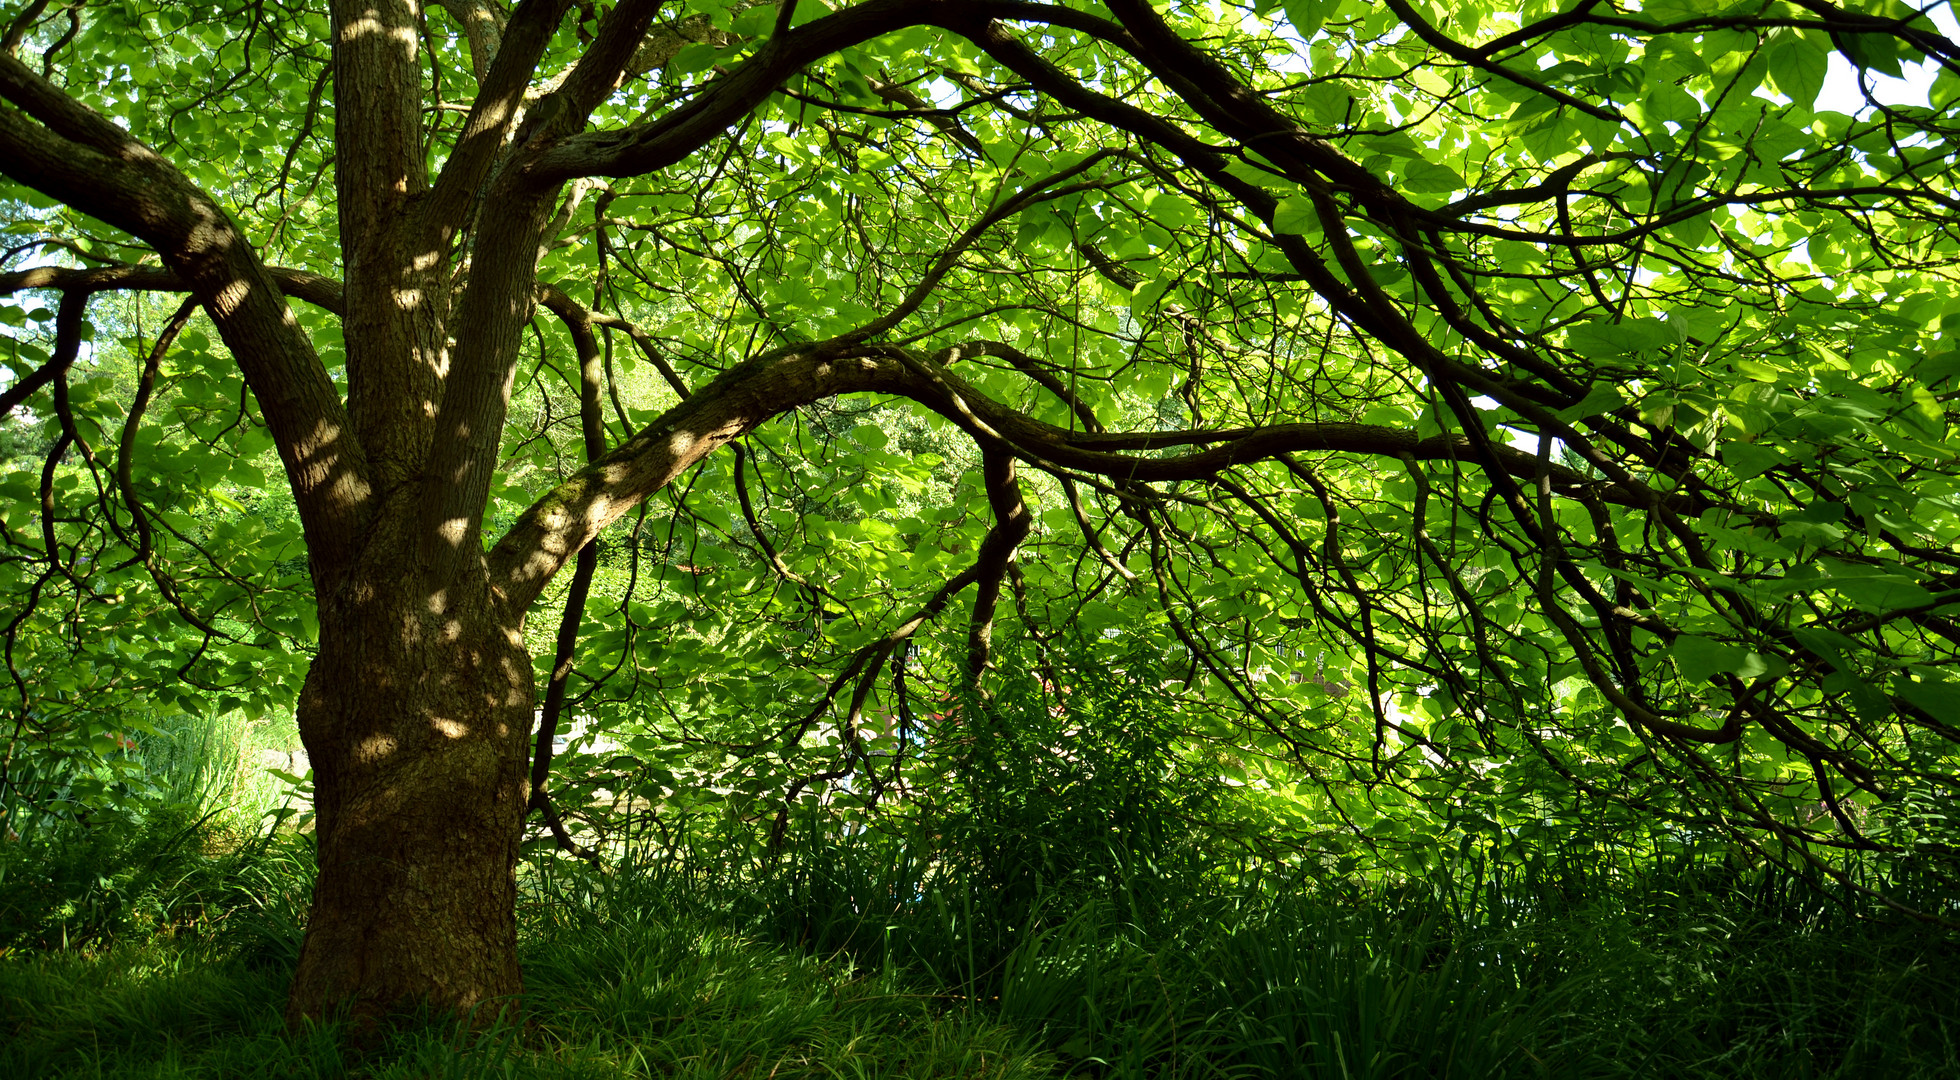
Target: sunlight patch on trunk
364,26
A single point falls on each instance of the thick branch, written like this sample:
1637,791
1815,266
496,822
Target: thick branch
377,83
21,24
604,63
496,305
81,158
317,289
556,526
747,395
710,112
493,116
482,27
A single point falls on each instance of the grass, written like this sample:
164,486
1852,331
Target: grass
649,972
854,955
1697,968
619,990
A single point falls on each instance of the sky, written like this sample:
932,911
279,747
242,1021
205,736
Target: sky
1840,93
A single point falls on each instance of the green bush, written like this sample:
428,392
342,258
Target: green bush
135,835
116,873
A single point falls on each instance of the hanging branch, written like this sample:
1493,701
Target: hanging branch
592,428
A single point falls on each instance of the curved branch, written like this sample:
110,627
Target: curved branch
17,29
547,534
592,427
1028,366
1040,191
717,106
317,289
1474,58
146,383
54,144
1011,525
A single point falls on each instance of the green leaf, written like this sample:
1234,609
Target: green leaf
1797,66
1330,103
1598,338
1749,459
1832,646
1428,177
1146,296
1946,88
1874,590
1935,370
756,21
1879,52
1669,11
1308,16
1940,697
1602,398
1700,659
1296,215
694,58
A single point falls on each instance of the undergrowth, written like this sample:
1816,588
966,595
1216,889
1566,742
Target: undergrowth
1698,968
661,969
1092,931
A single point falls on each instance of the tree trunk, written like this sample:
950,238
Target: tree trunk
416,714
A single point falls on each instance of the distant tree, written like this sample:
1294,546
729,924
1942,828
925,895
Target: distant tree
1548,387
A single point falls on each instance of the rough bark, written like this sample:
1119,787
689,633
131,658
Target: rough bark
416,714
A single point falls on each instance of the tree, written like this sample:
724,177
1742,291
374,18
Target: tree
1539,385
